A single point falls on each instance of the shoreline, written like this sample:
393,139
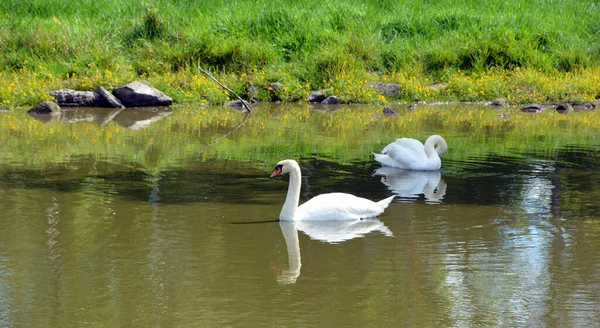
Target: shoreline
27,88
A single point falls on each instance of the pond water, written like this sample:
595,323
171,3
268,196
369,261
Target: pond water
491,240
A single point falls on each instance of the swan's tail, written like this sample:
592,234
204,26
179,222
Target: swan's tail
386,160
385,202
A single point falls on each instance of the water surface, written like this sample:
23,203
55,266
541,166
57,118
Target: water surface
490,240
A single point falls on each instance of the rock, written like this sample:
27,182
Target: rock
331,100
532,109
584,105
500,102
412,106
252,90
387,89
238,103
272,90
47,107
317,96
110,99
504,115
564,108
274,86
388,111
141,94
74,98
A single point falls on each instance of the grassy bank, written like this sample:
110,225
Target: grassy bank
537,51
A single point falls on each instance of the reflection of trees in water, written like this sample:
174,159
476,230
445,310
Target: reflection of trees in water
564,182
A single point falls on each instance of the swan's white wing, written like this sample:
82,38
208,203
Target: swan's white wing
337,206
409,153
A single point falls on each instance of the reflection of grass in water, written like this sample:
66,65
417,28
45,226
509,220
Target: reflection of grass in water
274,133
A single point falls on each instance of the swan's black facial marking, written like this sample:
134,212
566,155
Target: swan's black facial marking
277,171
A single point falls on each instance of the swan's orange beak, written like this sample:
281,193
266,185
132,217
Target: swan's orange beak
276,172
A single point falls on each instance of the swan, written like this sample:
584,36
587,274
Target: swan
411,154
325,207
331,232
411,184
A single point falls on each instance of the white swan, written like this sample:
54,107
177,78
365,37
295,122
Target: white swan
327,231
411,184
325,207
411,154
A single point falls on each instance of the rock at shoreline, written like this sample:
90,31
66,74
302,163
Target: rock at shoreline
532,109
239,103
47,107
317,97
387,89
387,111
74,98
564,108
331,100
141,94
110,99
500,102
584,105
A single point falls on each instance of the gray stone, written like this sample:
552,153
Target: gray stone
141,94
331,100
499,102
388,111
387,89
564,108
275,86
110,99
238,103
584,105
532,109
74,98
47,107
317,96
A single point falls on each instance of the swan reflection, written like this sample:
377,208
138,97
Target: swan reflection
412,184
327,231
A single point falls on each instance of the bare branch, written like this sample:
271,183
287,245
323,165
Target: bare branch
244,104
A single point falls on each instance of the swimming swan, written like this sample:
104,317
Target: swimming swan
411,154
325,207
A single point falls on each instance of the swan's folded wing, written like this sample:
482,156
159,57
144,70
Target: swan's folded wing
408,152
338,206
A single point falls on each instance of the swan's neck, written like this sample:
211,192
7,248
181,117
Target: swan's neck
288,210
430,149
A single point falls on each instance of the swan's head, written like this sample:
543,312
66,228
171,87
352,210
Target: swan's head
284,166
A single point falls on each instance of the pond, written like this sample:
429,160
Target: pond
167,217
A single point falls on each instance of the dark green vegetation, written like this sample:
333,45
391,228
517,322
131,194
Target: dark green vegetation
309,42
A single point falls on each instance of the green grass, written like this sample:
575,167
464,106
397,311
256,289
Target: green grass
299,43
